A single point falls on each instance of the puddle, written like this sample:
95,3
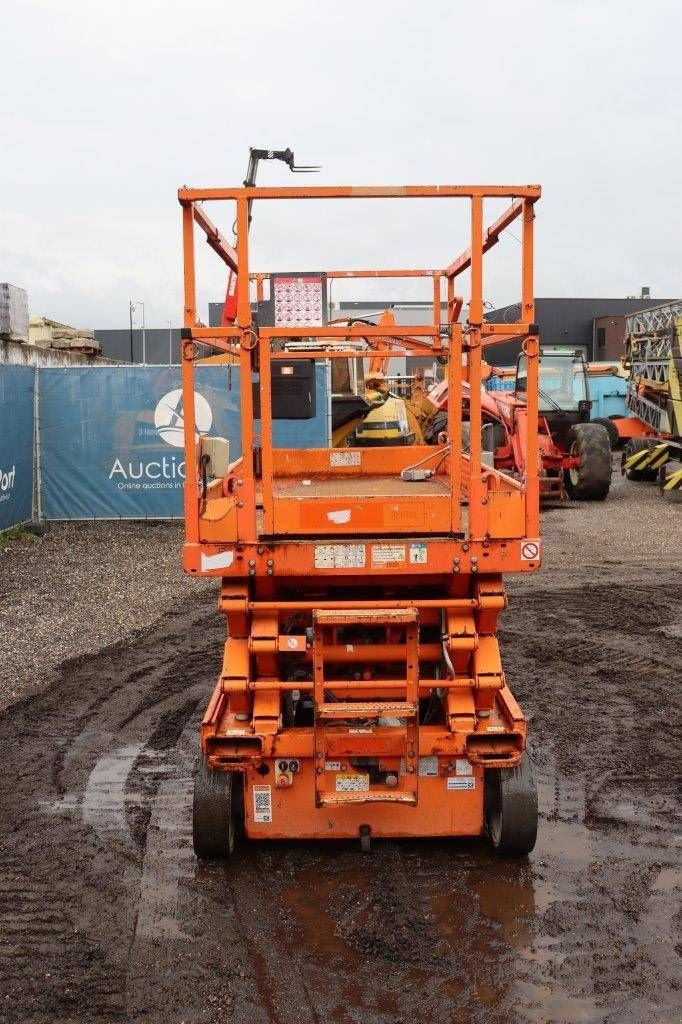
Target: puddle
103,805
487,995
563,840
644,802
540,1004
449,926
311,915
668,880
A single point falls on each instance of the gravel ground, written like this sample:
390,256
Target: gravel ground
635,526
79,588
83,586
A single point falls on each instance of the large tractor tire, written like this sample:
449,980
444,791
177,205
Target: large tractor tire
591,479
214,813
634,445
511,808
611,429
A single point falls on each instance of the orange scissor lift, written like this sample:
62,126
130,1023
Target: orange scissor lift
362,692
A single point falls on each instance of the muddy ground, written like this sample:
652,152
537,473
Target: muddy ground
105,915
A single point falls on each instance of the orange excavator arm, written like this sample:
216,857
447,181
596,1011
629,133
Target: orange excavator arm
381,346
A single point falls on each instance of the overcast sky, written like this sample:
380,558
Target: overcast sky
108,107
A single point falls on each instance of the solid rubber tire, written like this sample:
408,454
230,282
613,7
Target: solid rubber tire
213,831
590,442
511,808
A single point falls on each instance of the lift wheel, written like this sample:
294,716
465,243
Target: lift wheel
511,807
213,817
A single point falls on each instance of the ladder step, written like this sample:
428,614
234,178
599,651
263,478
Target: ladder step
367,709
372,796
366,616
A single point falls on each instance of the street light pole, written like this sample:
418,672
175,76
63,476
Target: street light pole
133,305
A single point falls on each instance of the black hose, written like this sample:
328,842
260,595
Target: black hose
203,463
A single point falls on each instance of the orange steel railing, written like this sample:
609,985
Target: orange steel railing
462,344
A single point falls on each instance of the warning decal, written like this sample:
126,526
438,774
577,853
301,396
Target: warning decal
339,556
461,782
418,554
530,550
341,458
388,554
352,782
428,766
262,803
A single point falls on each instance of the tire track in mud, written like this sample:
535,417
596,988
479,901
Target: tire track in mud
41,951
171,724
103,801
168,855
84,880
616,686
105,915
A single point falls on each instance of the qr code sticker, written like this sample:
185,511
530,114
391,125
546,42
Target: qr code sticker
262,803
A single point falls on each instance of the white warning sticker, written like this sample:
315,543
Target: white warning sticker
341,458
352,782
339,516
340,556
262,803
388,554
418,554
463,767
332,766
457,782
428,766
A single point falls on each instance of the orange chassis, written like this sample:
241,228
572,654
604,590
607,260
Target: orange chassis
362,688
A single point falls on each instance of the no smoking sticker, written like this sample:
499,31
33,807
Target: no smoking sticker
530,550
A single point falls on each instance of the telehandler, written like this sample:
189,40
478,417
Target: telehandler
362,693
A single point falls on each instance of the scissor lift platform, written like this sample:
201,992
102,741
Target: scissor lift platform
362,691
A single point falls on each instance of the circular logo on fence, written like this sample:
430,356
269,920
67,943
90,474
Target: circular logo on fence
169,418
530,550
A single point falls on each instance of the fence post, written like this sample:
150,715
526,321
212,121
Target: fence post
37,451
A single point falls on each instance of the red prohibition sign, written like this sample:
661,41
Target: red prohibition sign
530,550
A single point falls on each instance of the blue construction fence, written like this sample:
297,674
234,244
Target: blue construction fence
107,441
17,398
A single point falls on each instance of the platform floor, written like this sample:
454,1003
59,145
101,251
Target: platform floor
359,487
